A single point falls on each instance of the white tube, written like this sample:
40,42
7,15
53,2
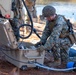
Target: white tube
53,69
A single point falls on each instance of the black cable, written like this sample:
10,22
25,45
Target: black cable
36,33
32,28
28,13
25,36
26,24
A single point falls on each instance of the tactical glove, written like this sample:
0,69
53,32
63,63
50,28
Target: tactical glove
38,44
40,49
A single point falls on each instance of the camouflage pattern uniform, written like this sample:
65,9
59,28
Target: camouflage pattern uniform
52,38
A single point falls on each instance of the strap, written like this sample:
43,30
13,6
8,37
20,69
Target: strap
72,38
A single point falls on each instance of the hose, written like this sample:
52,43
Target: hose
28,13
53,69
32,28
23,26
36,33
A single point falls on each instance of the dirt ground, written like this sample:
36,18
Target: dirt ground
6,68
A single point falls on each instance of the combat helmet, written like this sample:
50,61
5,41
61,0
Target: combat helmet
48,11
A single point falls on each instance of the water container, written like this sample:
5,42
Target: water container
72,51
70,64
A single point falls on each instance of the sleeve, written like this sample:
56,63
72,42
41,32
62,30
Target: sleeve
55,34
46,33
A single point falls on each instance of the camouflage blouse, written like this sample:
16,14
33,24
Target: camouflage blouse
50,35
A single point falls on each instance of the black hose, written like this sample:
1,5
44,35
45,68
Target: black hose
29,33
36,33
26,24
32,28
28,13
23,26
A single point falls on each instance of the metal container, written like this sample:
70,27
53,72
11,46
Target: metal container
7,36
25,57
18,55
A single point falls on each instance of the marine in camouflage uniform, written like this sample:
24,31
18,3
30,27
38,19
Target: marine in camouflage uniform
54,35
53,39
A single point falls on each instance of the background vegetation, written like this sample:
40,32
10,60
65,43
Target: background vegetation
49,1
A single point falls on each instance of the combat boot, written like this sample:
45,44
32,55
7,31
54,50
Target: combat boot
55,63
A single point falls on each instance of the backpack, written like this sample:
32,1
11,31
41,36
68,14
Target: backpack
72,35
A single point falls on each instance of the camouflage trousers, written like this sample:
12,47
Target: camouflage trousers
60,49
